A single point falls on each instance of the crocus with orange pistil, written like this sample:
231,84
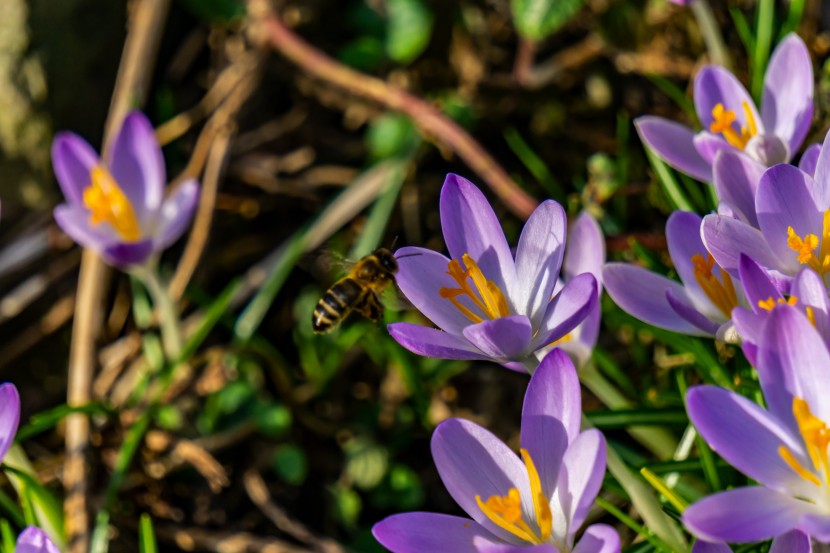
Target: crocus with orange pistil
116,206
536,501
486,303
731,120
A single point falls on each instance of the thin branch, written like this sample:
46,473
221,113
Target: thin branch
434,125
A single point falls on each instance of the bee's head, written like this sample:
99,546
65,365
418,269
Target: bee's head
387,260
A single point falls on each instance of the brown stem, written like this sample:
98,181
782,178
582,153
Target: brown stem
131,86
433,124
523,66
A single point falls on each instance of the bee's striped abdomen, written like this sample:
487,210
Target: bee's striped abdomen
335,304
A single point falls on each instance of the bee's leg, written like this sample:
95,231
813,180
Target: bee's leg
371,308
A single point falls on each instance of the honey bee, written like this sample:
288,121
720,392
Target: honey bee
358,291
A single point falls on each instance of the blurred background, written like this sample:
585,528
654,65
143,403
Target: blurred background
276,437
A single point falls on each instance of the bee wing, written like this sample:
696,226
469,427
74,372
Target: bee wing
325,264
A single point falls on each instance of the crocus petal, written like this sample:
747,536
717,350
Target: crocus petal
9,416
503,339
709,145
34,540
793,541
421,274
744,434
486,546
419,532
793,362
736,180
727,238
176,213
749,325
72,159
138,165
822,172
599,538
786,199
74,221
642,294
125,255
809,159
674,143
431,342
811,292
585,251
580,479
744,514
473,462
470,226
551,415
756,282
567,309
538,260
787,102
691,314
715,85
708,547
684,244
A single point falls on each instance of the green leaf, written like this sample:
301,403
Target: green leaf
291,464
537,19
391,134
409,30
146,535
216,11
7,536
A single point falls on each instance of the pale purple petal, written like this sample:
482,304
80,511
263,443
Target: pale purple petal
736,180
809,159
692,315
421,274
768,149
567,310
9,416
793,362
506,338
580,478
431,342
473,462
746,435
749,325
137,164
538,260
74,221
793,541
73,159
822,171
486,546
715,85
642,294
786,199
176,214
727,238
816,525
744,514
756,282
674,143
598,538
708,547
787,102
709,145
470,226
124,255
34,540
585,251
811,292
551,415
684,243
420,532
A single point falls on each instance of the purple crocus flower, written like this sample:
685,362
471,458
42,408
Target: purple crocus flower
534,503
701,305
731,120
35,540
783,447
793,223
791,542
116,206
486,303
584,253
9,416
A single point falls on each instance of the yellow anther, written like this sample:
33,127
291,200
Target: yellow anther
484,294
770,303
541,504
816,438
720,292
722,124
806,247
107,203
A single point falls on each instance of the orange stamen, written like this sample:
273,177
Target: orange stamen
107,203
484,294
